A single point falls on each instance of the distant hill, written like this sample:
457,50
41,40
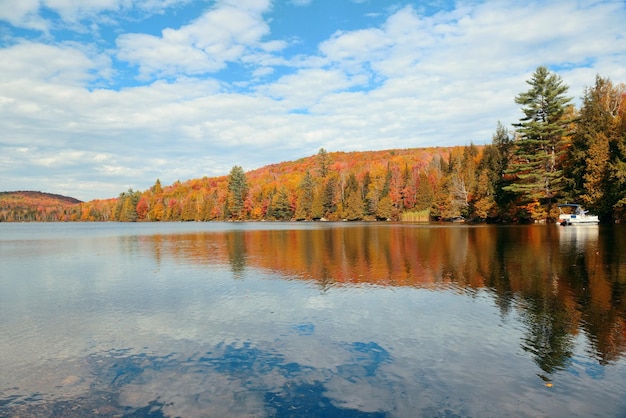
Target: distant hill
20,206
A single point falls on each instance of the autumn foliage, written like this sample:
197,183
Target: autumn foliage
329,185
35,206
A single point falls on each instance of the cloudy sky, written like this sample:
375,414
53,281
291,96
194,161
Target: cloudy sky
98,96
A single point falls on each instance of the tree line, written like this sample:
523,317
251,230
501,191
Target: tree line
555,153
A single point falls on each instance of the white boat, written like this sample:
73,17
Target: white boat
573,214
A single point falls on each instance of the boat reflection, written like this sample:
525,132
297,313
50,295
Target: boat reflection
580,237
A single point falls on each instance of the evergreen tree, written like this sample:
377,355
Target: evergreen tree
323,163
424,193
597,157
237,193
126,207
281,206
306,190
597,176
387,184
157,189
317,208
352,184
365,195
329,205
384,210
490,194
502,142
409,190
352,204
536,165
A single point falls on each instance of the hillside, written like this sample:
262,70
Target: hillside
21,206
206,198
363,185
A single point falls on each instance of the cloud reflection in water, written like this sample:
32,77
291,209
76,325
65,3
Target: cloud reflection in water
361,320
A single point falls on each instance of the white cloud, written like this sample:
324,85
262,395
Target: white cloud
67,158
223,34
62,64
74,10
351,50
305,87
23,13
156,6
414,80
27,13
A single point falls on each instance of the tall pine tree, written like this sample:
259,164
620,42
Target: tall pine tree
306,193
237,193
536,165
281,206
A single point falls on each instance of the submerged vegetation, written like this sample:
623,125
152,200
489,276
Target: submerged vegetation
555,153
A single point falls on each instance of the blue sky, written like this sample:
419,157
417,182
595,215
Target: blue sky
98,96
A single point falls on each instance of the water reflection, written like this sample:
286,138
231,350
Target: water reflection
226,379
561,280
321,320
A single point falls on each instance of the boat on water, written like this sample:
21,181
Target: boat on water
574,214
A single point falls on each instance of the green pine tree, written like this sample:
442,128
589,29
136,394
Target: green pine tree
491,198
281,206
536,164
306,191
323,163
424,194
597,157
237,193
353,206
329,204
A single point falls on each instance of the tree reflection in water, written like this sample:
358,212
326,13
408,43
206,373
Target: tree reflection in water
561,280
324,319
549,333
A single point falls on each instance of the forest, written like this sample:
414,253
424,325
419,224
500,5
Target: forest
25,206
555,153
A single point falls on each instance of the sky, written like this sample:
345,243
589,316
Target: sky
99,96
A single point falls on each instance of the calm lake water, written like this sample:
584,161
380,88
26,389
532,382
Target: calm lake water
312,319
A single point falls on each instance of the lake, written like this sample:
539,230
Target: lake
312,320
